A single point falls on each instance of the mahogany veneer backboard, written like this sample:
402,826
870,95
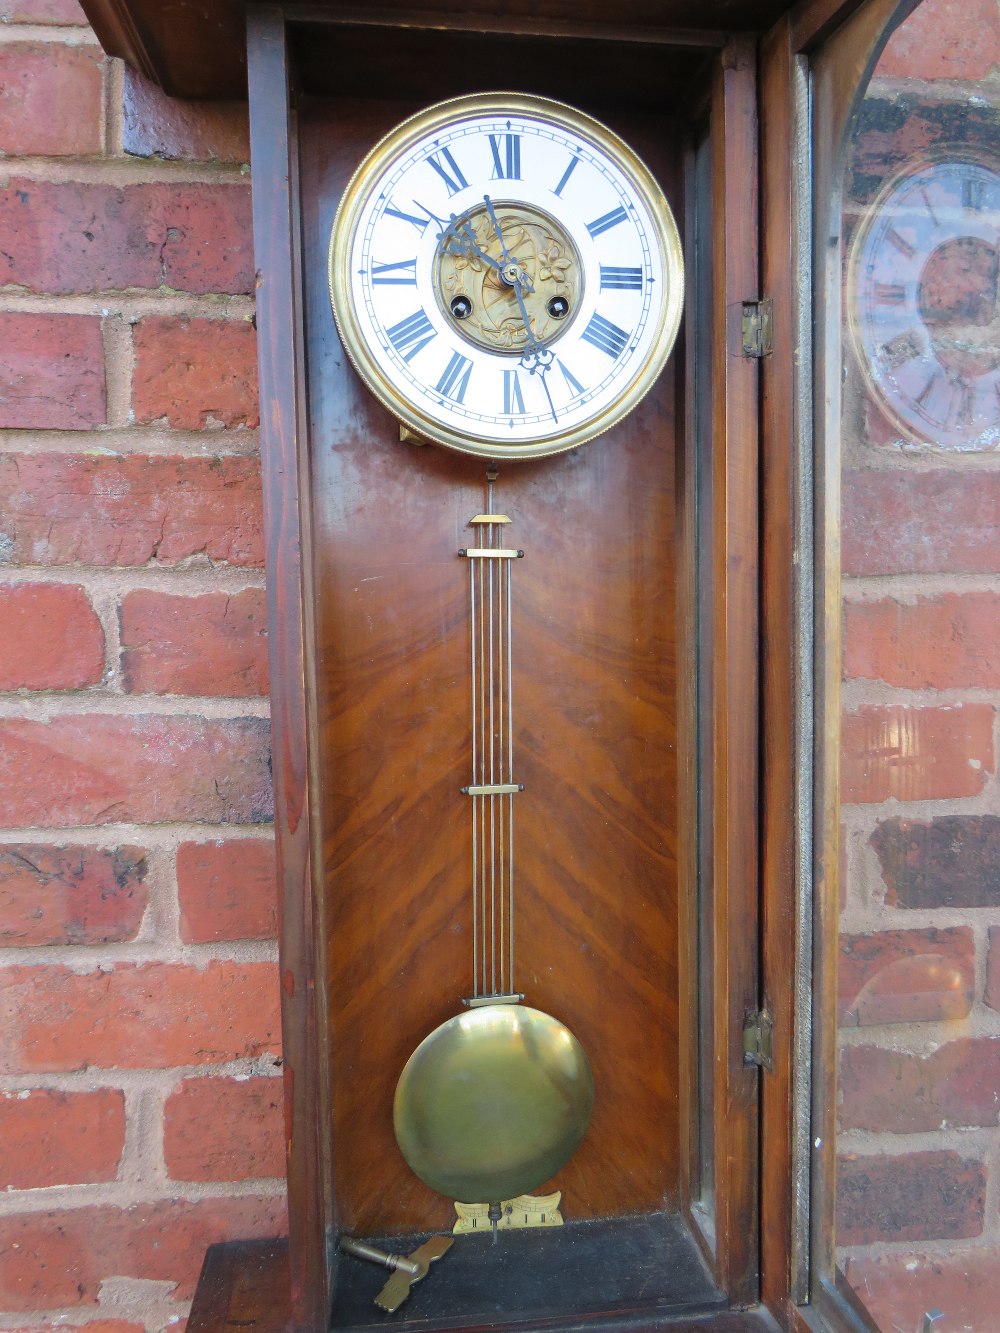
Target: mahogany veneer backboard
595,746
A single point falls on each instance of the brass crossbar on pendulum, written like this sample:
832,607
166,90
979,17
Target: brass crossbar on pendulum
494,1101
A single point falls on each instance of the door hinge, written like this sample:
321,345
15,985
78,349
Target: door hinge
758,327
758,1034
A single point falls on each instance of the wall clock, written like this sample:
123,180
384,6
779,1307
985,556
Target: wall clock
924,301
506,275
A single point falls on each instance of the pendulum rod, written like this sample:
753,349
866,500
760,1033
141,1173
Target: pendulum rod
493,787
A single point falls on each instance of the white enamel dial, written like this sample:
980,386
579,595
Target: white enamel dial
925,302
506,275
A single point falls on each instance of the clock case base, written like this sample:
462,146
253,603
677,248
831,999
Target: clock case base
530,1281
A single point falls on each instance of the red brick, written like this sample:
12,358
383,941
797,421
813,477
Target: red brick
952,861
42,11
139,1016
51,372
98,769
70,895
893,131
901,1286
52,638
916,1196
60,1138
992,996
906,976
944,39
215,644
76,237
955,1087
50,100
225,1129
60,1258
91,1326
227,890
947,642
940,522
61,509
193,373
156,125
915,754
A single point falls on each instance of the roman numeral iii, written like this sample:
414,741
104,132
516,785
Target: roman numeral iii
621,279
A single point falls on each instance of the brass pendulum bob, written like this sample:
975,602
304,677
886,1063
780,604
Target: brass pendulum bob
495,1101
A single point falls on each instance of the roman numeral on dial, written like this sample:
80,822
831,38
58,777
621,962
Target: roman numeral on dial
572,383
608,337
621,279
574,162
973,194
607,221
512,399
411,334
509,166
890,293
421,223
403,273
451,174
455,380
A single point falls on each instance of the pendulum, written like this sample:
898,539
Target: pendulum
495,1100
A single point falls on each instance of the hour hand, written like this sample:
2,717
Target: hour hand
459,240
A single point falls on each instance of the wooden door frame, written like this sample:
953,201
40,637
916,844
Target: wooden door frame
757,633
815,64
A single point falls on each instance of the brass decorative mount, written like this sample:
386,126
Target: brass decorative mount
476,284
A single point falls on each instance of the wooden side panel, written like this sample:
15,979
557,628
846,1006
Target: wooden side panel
285,470
781,559
734,669
595,746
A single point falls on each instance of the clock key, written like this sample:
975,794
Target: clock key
408,1269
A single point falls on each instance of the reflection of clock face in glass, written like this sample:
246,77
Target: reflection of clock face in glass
925,302
506,275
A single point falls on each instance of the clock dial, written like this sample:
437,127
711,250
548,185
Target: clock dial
506,275
925,302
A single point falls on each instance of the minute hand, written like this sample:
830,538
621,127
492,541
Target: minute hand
538,360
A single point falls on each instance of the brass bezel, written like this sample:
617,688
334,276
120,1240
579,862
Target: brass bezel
603,140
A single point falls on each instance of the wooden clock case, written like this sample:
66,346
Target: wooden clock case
659,635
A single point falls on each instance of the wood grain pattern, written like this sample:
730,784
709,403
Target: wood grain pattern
595,747
734,671
283,441
780,592
196,48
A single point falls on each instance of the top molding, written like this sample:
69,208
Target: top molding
197,48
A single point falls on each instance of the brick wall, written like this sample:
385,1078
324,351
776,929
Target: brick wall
139,1073
919,1100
